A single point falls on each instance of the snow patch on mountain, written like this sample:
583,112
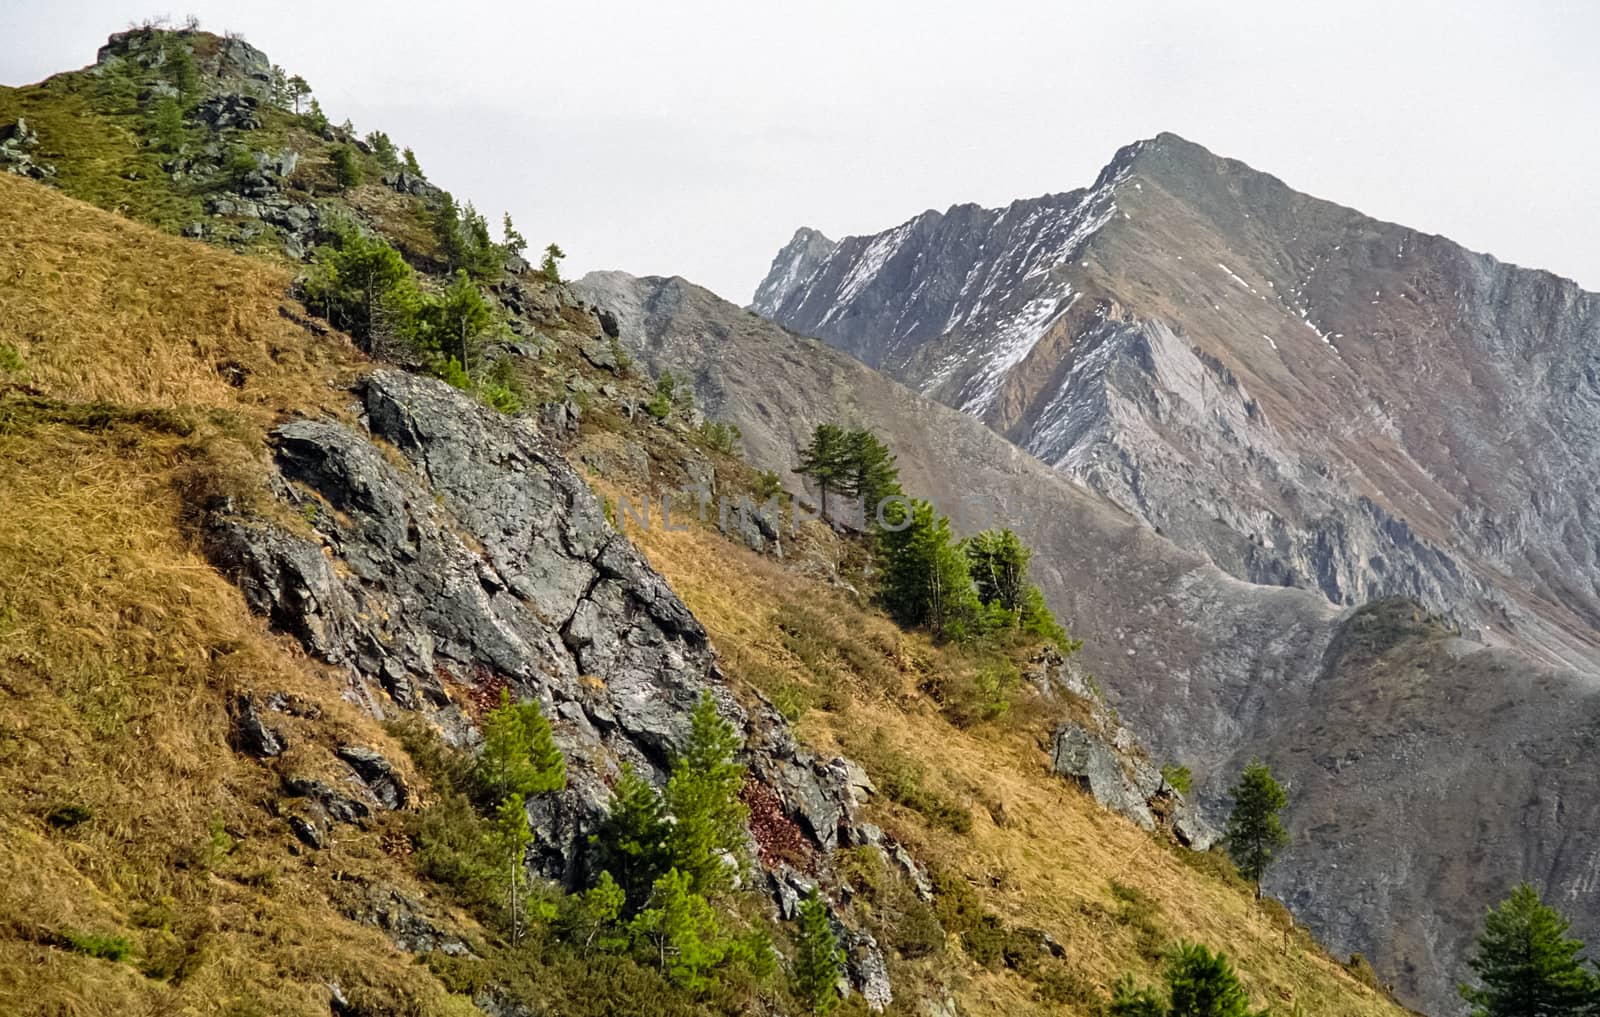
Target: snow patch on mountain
1015,337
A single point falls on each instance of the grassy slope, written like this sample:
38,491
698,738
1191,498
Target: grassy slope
95,130
1050,860
119,645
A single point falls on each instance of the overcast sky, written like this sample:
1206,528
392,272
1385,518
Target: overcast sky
693,137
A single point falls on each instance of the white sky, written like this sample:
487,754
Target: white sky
693,137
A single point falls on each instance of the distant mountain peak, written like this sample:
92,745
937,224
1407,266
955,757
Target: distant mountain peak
797,261
1305,395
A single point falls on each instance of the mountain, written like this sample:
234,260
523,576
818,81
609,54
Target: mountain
1416,794
268,583
1311,397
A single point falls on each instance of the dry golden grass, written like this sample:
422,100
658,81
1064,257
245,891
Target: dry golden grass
120,645
101,309
1052,864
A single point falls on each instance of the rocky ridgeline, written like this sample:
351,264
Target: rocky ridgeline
232,63
1243,368
484,562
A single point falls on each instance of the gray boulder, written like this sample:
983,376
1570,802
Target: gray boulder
1083,757
250,732
377,773
229,111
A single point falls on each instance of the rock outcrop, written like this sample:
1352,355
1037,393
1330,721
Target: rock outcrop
472,559
1104,758
226,62
18,144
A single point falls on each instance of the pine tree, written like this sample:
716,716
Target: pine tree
447,232
412,165
519,755
818,959
827,461
511,836
1129,1000
346,168
1202,984
383,149
278,87
594,913
1199,984
180,60
1526,964
550,267
480,256
682,929
631,845
515,243
998,561
1254,832
519,758
166,124
299,91
870,472
457,319
363,285
925,577
319,119
702,797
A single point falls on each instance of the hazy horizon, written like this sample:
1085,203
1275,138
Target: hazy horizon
694,141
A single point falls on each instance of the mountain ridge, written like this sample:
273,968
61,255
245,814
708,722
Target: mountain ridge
764,302
1010,367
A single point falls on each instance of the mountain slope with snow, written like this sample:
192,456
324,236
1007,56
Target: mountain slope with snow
1311,397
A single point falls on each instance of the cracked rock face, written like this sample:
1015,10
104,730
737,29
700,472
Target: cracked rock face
464,555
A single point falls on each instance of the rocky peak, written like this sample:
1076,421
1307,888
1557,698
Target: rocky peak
229,61
1305,395
1251,319
797,261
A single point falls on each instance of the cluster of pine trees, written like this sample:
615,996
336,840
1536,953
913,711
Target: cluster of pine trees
362,284
850,464
662,868
956,589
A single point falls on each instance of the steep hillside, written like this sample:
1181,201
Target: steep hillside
1214,670
244,560
126,814
1309,396
1039,853
187,824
